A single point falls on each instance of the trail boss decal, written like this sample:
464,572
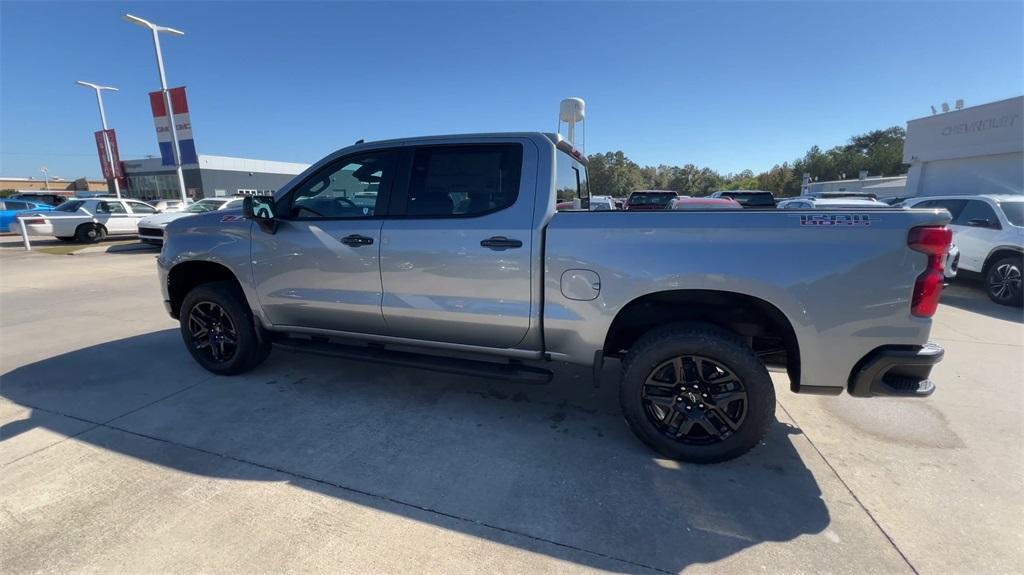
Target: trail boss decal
232,218
835,220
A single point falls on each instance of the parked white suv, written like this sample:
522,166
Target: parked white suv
989,230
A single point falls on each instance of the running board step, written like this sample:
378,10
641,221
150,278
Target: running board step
505,371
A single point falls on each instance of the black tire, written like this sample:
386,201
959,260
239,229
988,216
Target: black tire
232,332
1003,281
90,233
730,428
66,238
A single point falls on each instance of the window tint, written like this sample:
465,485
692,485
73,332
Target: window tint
952,206
1014,212
977,210
464,180
141,208
651,199
345,189
571,181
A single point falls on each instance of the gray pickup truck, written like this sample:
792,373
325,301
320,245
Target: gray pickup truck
448,253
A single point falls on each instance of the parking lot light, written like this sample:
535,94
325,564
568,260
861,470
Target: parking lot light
156,30
103,121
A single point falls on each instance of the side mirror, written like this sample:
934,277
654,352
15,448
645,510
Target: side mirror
261,209
258,207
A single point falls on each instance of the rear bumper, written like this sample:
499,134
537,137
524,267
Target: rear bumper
34,229
896,371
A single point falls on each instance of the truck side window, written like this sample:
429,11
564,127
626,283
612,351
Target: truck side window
348,188
571,183
464,180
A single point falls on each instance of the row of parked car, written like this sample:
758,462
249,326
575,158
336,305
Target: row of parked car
89,220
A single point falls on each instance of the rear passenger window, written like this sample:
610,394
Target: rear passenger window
954,207
571,183
464,180
110,208
977,210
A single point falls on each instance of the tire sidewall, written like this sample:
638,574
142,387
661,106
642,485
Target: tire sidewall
1018,263
249,351
724,350
82,233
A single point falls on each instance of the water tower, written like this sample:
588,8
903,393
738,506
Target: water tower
571,111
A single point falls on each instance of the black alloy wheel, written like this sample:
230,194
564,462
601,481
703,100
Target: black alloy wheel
1004,281
212,332
694,400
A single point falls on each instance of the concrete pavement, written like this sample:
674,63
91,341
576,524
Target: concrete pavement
120,454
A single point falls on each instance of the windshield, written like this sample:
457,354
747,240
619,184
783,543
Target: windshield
1014,212
204,206
69,206
651,199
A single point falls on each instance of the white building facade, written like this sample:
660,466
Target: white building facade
976,150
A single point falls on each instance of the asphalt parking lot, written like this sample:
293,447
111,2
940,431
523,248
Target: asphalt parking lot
120,454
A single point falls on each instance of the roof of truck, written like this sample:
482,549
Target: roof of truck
556,139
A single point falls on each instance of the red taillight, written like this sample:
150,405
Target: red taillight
934,241
29,221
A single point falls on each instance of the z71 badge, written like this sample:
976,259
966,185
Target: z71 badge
835,220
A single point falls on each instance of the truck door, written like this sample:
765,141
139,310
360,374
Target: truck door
455,256
321,267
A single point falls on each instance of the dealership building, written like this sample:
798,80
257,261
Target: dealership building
976,150
210,176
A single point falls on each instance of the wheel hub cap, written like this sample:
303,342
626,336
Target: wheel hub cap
694,400
212,332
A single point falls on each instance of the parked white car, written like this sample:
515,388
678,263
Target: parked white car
989,230
602,203
809,203
88,220
151,229
164,206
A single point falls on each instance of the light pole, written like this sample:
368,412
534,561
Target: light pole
103,121
163,87
46,177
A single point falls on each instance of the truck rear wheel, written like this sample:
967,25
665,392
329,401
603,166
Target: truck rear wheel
696,393
219,329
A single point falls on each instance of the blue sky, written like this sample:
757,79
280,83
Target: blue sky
724,85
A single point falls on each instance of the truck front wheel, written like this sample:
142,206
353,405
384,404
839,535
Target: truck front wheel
219,329
696,394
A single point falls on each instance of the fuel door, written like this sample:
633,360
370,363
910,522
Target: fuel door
581,285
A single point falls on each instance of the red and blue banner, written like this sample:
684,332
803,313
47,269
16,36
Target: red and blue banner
182,123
